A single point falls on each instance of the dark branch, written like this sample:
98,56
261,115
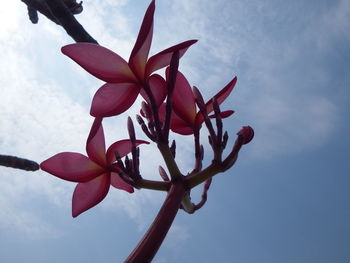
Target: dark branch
61,12
18,163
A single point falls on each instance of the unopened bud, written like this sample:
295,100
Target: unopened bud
139,119
173,148
131,130
247,133
145,110
224,140
163,174
174,65
202,152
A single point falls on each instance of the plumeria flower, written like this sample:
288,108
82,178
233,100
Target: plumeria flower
93,173
125,80
185,117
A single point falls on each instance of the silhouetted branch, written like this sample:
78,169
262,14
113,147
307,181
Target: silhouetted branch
61,12
18,163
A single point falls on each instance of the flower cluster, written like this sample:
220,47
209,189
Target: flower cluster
170,104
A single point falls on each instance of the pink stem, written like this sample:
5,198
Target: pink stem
152,240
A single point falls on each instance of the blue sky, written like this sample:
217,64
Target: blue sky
286,199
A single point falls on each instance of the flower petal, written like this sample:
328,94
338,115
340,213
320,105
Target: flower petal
100,62
161,112
71,166
118,183
180,126
123,147
95,145
223,114
139,54
158,88
89,194
163,58
222,95
183,99
177,124
113,99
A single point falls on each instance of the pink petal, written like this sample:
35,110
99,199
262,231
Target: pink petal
177,124
123,147
118,183
139,54
95,145
158,88
71,166
145,110
162,59
183,100
89,194
223,114
222,95
100,62
180,126
113,99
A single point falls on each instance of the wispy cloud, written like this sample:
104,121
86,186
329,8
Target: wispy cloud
280,88
23,222
274,51
45,110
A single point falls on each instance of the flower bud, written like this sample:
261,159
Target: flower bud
131,130
247,133
163,174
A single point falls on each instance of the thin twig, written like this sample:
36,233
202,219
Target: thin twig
154,110
201,105
206,187
58,12
18,163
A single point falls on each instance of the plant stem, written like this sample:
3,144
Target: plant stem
18,163
152,240
153,185
195,179
169,161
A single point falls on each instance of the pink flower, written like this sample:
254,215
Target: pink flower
93,172
185,116
125,80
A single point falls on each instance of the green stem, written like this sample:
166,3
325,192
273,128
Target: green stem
169,161
195,179
153,185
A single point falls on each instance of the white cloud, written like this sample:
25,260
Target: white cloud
44,112
42,115
26,224
18,219
9,17
107,23
37,121
334,24
280,90
290,126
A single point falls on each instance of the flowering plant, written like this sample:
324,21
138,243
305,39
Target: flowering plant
170,105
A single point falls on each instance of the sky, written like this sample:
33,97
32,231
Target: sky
287,199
